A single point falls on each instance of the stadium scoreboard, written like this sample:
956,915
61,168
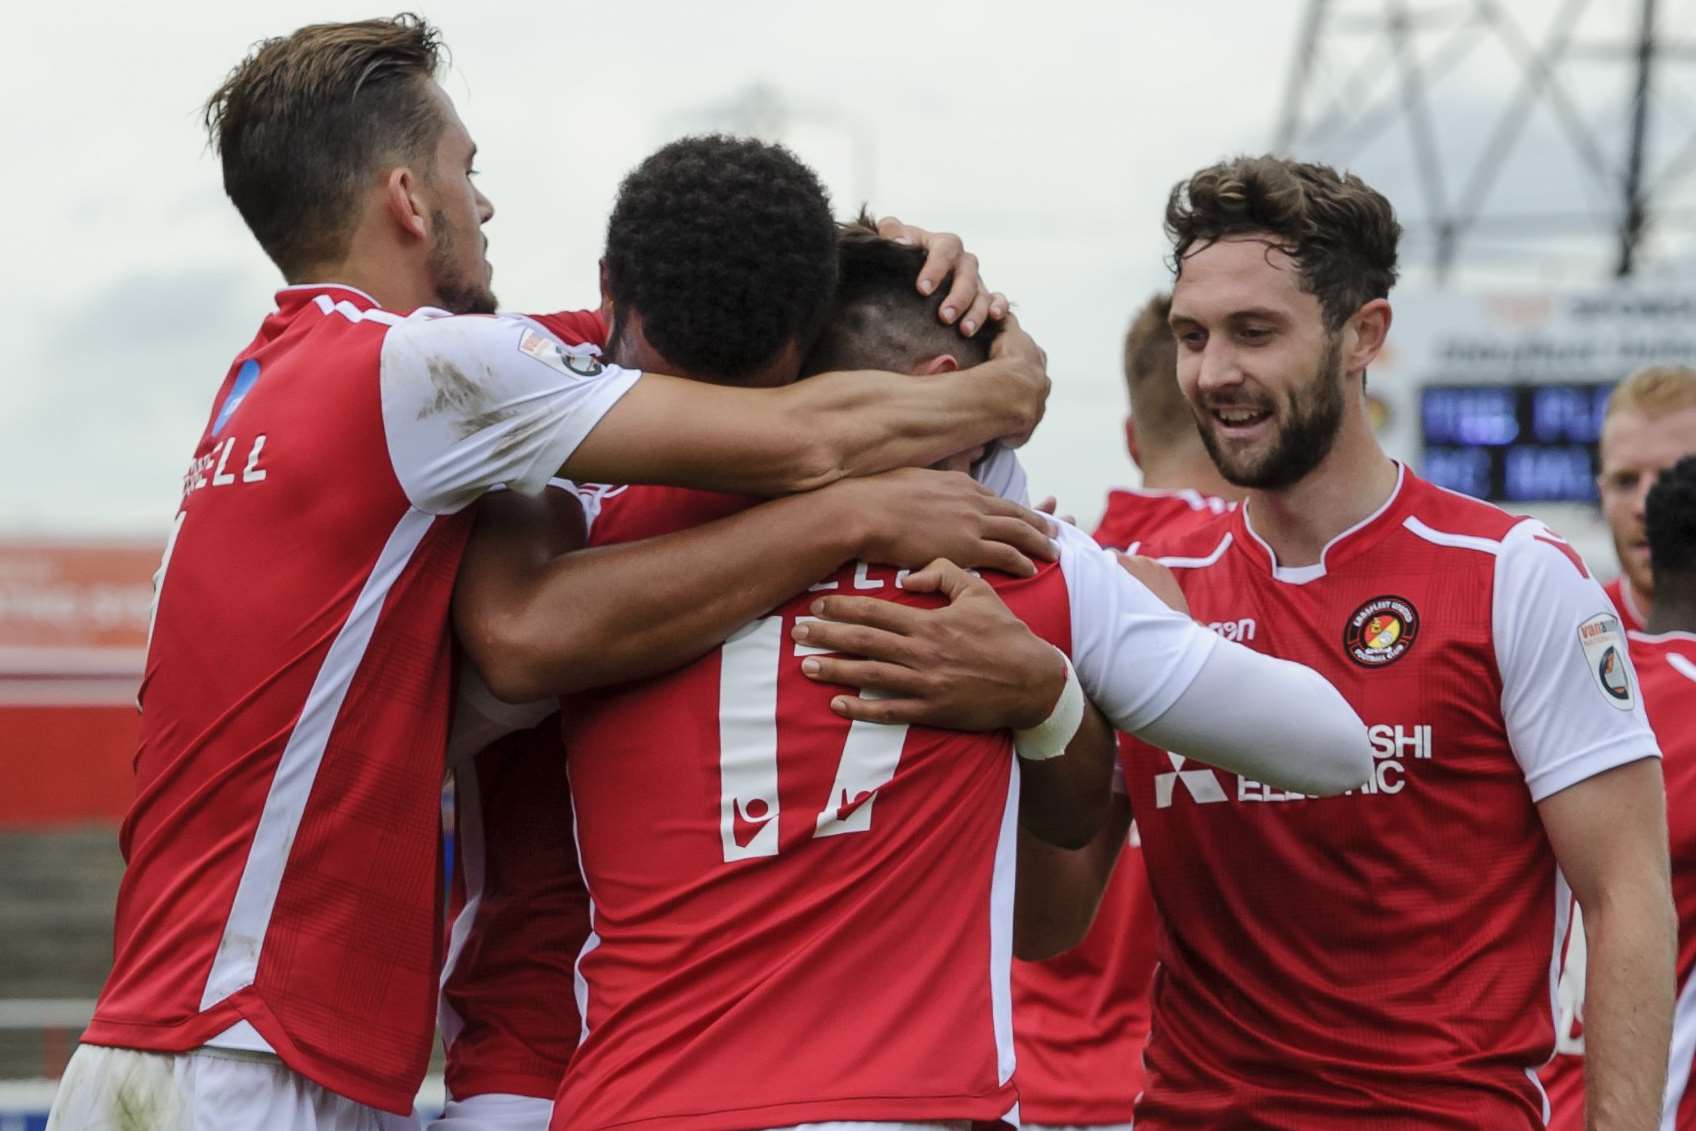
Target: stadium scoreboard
1513,442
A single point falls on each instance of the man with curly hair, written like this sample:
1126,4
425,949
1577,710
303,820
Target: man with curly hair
278,928
1384,959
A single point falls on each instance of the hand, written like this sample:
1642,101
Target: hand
1026,362
916,516
947,254
971,665
1052,504
1157,579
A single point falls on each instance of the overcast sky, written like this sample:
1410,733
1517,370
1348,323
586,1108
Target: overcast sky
1046,134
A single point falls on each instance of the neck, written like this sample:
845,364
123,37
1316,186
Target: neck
1352,482
394,274
1673,608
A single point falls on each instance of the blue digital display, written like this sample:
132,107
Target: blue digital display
1515,443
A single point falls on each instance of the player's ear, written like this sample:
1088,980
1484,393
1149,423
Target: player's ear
1368,327
404,204
606,294
1131,442
941,363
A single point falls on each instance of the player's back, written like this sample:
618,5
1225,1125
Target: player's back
796,918
283,849
1389,950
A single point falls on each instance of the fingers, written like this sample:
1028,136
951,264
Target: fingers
858,640
1021,536
868,611
867,675
891,228
893,712
999,307
941,576
966,300
1037,520
977,313
946,255
990,554
1048,505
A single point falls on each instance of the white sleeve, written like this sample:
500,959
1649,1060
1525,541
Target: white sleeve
1161,676
474,402
479,718
1134,656
1569,694
1001,471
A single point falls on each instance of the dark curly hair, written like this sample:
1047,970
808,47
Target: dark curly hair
727,249
879,319
1341,232
1670,522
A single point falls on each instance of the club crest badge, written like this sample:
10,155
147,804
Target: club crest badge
1381,631
1603,642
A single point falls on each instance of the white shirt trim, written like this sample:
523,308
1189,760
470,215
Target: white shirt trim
1305,574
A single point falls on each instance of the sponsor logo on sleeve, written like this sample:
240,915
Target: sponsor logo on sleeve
573,361
1603,643
1381,631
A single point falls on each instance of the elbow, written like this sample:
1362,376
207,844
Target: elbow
1039,943
1344,762
517,665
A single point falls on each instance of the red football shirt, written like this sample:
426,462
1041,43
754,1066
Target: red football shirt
519,913
1080,1020
1666,665
1619,591
1382,959
797,919
282,891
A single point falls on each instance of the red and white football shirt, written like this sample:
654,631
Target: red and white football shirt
283,890
1384,958
1135,514
797,919
1666,668
1080,1020
518,911
1619,591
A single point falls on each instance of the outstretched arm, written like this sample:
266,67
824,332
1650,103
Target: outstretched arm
538,621
814,432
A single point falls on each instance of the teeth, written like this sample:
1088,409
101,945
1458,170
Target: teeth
1238,416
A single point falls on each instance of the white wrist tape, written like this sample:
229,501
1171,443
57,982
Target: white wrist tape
1049,738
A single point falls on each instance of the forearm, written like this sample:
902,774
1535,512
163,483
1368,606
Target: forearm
1630,935
615,613
1283,725
1062,800
1059,890
875,421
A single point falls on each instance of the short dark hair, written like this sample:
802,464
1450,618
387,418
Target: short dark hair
1670,523
727,249
1151,376
305,119
1341,232
879,319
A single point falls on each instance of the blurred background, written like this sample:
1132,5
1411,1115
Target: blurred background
1540,154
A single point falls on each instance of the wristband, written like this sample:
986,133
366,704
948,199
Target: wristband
1049,738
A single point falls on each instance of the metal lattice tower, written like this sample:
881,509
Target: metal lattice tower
1602,85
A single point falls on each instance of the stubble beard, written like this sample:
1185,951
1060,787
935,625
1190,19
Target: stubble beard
456,294
1312,419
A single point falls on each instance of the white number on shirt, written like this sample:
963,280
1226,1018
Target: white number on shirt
748,800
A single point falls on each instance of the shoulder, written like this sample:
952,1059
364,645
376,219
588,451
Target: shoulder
1139,515
574,327
1192,545
1448,518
